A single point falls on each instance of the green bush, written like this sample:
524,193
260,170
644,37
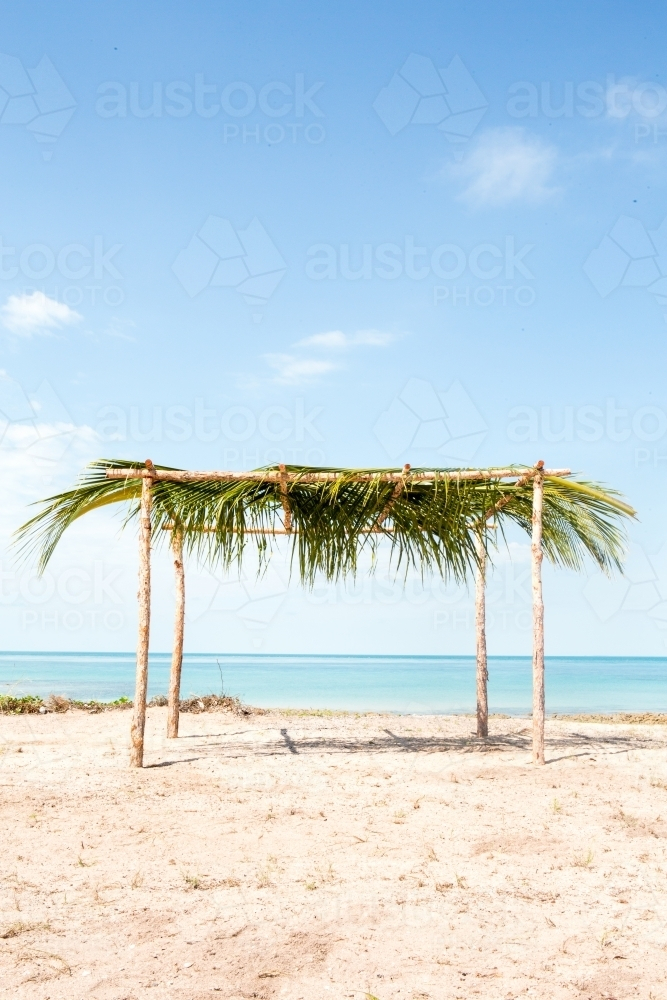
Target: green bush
27,704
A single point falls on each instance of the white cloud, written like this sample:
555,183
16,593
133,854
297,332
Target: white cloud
303,367
119,327
333,340
507,164
292,369
36,313
336,340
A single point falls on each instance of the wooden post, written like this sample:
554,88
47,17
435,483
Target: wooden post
144,596
480,626
179,625
538,618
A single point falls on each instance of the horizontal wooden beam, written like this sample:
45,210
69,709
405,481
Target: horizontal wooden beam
277,531
458,475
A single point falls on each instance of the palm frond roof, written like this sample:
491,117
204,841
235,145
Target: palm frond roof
429,518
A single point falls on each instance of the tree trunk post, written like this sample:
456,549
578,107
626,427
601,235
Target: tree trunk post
144,596
480,626
179,626
538,618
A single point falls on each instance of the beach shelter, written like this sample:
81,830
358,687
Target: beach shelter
436,520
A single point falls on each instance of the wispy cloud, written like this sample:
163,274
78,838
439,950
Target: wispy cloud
336,340
321,353
32,313
119,327
291,369
507,165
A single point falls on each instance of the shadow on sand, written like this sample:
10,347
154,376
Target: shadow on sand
559,746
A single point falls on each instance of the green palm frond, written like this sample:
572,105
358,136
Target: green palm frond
428,525
579,519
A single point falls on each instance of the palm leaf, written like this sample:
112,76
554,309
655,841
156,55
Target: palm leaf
427,525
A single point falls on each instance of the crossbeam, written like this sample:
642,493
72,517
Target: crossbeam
275,476
210,529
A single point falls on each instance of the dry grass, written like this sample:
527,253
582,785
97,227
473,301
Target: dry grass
59,703
214,703
620,718
20,927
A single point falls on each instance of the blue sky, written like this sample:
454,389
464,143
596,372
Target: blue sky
238,234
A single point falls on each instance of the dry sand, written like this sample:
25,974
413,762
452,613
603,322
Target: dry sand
301,857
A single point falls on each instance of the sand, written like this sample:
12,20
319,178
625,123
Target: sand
296,857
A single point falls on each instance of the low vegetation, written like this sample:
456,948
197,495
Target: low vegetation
31,704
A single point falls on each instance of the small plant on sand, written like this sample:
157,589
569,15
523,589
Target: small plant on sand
583,860
57,703
138,880
556,806
28,704
626,818
605,938
193,881
19,927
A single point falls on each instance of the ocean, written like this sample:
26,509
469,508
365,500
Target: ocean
420,684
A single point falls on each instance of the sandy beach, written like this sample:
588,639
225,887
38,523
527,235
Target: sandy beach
298,856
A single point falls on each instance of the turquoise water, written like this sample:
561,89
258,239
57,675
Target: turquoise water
357,683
